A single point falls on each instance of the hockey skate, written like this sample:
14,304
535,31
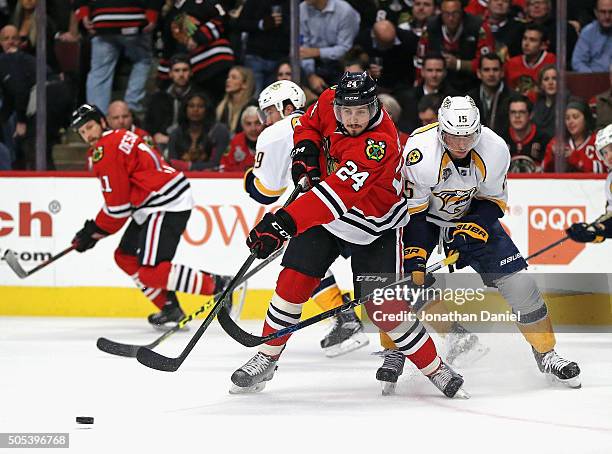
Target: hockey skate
252,377
389,372
448,381
463,348
345,334
169,316
558,369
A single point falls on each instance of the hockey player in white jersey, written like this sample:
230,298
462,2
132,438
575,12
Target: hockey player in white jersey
455,183
602,229
279,109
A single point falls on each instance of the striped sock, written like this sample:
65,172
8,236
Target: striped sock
185,279
157,296
281,314
412,339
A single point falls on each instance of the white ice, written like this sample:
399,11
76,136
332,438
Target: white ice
51,372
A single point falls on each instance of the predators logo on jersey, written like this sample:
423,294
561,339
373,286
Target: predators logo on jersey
97,154
375,151
454,201
414,157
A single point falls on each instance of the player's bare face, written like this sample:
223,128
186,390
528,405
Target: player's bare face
574,122
458,146
91,132
272,115
607,155
355,118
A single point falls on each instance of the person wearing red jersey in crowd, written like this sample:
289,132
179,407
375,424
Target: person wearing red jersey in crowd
241,153
138,184
527,143
507,29
120,117
523,71
346,146
579,147
461,38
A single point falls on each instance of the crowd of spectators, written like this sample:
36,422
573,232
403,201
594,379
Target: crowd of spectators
185,74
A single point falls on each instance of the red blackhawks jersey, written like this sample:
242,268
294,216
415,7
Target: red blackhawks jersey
523,77
135,180
126,17
360,195
581,157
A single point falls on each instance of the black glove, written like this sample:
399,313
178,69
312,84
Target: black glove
271,232
583,233
469,239
305,156
88,236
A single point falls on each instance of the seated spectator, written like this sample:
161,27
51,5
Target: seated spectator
593,51
397,12
120,116
422,10
394,110
462,39
391,54
284,71
267,24
428,107
579,148
163,108
199,28
522,71
239,88
603,106
241,153
507,29
433,80
544,107
199,141
328,29
527,144
492,95
540,12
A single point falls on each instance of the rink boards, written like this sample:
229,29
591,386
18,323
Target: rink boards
39,216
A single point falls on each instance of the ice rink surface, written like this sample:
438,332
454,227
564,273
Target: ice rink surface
51,372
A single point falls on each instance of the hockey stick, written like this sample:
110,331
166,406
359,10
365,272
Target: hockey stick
250,340
154,360
130,350
13,262
566,237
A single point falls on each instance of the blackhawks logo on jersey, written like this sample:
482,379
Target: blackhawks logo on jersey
414,156
454,201
97,154
375,151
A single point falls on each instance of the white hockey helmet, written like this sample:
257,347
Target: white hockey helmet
602,140
277,93
459,116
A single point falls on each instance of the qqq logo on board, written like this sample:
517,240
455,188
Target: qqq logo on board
547,224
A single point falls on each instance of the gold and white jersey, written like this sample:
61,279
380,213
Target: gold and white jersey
434,183
609,193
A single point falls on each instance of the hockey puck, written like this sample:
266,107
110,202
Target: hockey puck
84,419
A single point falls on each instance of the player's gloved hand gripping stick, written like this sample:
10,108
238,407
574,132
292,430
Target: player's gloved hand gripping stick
250,340
154,360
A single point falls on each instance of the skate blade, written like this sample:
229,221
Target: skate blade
168,326
469,357
573,383
388,388
461,394
356,341
248,389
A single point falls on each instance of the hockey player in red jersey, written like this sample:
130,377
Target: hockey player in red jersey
348,149
138,184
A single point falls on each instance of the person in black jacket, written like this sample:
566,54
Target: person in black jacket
164,106
267,23
492,95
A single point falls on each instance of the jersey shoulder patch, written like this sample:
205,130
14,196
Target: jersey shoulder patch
413,157
375,149
97,154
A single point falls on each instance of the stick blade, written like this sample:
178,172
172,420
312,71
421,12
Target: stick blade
154,360
13,262
237,333
117,348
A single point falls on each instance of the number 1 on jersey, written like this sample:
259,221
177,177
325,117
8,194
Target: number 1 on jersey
105,183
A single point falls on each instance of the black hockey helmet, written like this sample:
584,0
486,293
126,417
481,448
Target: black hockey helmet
357,89
85,113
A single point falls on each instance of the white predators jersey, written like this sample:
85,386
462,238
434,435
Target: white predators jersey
609,193
272,168
433,183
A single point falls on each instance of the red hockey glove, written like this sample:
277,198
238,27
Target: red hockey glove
271,232
88,236
305,156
